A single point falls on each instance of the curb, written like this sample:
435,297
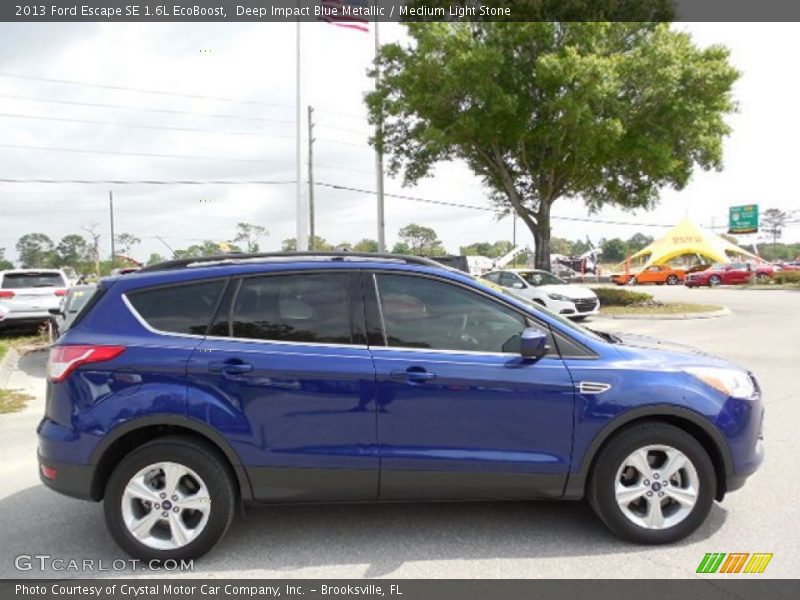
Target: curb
7,365
723,312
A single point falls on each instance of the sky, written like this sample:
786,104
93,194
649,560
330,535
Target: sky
225,109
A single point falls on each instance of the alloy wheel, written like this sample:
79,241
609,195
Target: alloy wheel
657,487
166,505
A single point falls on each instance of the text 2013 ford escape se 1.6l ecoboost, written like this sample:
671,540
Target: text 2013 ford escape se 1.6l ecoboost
191,386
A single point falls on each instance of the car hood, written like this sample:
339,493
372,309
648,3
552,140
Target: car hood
573,292
666,353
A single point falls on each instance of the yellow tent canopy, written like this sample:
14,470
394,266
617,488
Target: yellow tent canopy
688,239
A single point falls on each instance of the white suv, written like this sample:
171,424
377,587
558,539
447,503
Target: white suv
573,301
27,295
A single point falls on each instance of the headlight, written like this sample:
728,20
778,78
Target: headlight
730,382
558,297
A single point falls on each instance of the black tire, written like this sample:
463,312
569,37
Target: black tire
191,453
602,482
673,280
714,281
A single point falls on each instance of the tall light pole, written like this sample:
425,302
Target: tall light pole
379,153
302,205
111,215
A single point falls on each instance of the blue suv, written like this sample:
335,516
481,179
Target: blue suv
190,387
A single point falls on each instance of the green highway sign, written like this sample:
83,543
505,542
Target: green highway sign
743,219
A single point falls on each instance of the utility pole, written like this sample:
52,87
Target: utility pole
302,130
111,214
379,155
311,232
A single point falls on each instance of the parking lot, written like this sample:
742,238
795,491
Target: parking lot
526,539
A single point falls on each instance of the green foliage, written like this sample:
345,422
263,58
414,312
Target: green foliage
36,250
250,234
614,250
366,245
609,112
620,297
4,264
639,241
786,277
155,258
773,220
401,248
124,242
488,249
319,243
779,251
207,248
421,240
76,252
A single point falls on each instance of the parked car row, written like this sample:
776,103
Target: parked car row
702,274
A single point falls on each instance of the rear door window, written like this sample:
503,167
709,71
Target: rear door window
302,307
15,281
186,308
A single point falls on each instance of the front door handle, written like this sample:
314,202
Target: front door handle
230,367
413,375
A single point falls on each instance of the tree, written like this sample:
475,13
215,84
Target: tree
74,251
36,250
774,221
421,240
320,244
608,112
561,246
366,245
207,248
91,229
124,243
639,241
614,250
401,248
250,234
4,264
155,258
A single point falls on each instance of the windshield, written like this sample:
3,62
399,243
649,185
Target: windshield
537,278
539,308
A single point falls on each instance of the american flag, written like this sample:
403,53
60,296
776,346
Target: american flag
338,17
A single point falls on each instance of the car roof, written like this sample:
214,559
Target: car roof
22,271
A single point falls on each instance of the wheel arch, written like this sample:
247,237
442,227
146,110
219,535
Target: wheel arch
692,423
132,434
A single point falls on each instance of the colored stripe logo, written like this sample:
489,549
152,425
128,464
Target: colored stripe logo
734,562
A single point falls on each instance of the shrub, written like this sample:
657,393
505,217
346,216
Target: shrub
787,277
620,297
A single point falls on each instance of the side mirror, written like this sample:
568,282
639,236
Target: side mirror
533,343
518,285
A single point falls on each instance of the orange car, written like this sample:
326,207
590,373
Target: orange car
658,274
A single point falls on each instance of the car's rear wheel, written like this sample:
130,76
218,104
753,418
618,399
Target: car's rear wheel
652,484
172,498
762,277
673,280
714,280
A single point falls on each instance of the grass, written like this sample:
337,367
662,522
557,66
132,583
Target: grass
671,308
13,401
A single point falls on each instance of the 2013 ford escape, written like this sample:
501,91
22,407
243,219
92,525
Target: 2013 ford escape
191,386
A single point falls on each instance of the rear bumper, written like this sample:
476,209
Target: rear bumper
67,478
23,317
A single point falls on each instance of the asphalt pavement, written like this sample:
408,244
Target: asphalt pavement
476,540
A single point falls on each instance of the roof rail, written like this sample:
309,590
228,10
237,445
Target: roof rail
232,258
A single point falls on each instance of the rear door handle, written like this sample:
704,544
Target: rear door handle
231,368
413,375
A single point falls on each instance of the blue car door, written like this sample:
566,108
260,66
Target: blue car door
460,413
286,376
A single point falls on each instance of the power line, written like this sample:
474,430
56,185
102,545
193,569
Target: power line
144,109
141,90
142,154
140,126
152,181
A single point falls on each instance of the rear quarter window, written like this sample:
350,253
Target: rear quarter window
186,308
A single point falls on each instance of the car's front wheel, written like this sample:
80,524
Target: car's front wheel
714,280
673,280
652,484
172,498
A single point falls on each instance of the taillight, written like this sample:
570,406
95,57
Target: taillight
65,359
6,294
60,292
